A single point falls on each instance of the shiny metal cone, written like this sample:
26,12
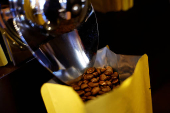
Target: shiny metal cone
61,34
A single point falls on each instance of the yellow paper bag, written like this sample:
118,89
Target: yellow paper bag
3,59
133,96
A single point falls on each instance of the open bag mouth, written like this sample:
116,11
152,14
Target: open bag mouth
132,96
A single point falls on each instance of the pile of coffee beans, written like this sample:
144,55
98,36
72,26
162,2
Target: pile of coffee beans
96,81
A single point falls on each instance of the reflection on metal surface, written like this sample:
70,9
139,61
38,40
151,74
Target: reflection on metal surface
12,40
62,34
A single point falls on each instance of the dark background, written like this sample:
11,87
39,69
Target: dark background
142,29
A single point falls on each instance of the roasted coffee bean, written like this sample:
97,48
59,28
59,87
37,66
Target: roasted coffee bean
103,69
74,84
115,74
94,80
90,70
108,72
106,89
95,74
95,90
103,77
88,76
87,89
112,78
91,84
80,92
108,77
83,75
83,86
84,97
115,81
97,78
103,86
76,87
101,92
85,81
98,70
109,68
79,83
103,83
87,94
108,83
91,97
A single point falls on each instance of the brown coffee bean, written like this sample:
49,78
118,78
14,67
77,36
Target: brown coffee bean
91,84
76,87
103,69
79,83
108,72
80,92
87,89
85,81
90,70
74,84
108,83
95,90
88,76
103,86
87,94
112,78
109,68
94,80
101,92
115,74
83,75
106,89
83,86
95,74
103,77
108,77
84,97
103,83
98,70
97,78
91,97
115,81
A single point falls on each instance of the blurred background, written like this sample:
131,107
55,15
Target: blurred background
131,27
